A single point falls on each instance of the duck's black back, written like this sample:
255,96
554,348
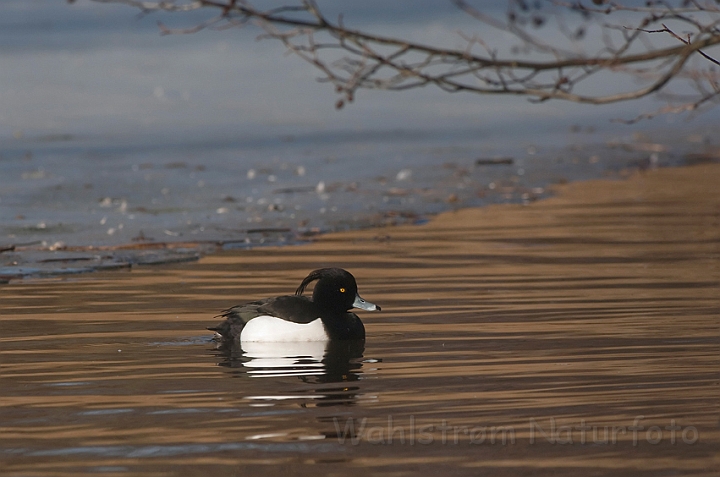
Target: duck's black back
295,309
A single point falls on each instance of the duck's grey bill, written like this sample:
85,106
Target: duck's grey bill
364,305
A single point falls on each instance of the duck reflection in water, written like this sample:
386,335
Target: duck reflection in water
311,361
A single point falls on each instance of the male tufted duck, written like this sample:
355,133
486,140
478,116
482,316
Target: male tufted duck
299,318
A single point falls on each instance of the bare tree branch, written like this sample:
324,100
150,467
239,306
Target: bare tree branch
537,66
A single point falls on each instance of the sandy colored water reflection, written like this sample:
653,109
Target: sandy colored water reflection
513,340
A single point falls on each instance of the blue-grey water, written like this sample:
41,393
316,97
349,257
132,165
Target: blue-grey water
114,135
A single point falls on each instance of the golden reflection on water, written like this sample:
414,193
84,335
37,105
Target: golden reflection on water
575,335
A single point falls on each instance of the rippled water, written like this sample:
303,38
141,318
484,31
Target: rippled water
572,336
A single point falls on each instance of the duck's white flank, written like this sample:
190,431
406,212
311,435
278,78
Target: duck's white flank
272,329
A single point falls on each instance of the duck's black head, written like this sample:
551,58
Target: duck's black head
336,290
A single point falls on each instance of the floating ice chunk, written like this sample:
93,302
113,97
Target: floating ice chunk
403,175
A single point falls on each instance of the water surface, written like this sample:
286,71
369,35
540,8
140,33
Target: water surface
121,146
575,335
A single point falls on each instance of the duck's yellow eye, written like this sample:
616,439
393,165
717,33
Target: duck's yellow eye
342,290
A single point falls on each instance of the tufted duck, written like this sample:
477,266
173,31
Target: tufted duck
299,318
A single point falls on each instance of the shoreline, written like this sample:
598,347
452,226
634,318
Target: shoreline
53,262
